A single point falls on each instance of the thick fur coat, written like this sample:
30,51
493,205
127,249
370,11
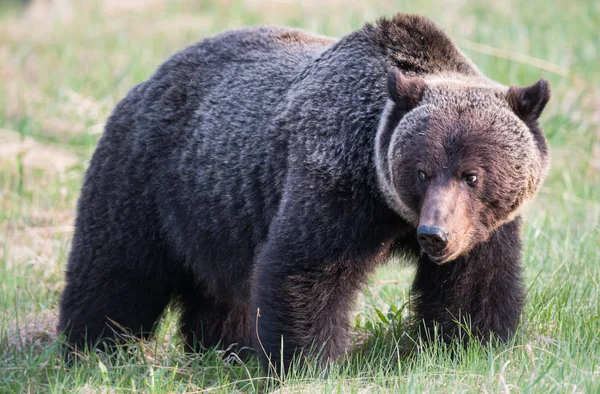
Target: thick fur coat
258,178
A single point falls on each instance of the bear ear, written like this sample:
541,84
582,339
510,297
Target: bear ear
529,102
405,91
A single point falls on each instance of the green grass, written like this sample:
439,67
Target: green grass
61,73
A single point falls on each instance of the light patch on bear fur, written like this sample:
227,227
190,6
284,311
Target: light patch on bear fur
457,92
449,79
384,171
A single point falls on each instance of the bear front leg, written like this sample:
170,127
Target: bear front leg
301,308
482,290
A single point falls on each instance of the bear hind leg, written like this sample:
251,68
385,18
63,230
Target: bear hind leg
112,301
207,323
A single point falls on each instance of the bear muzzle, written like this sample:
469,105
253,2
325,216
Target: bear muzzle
432,239
443,226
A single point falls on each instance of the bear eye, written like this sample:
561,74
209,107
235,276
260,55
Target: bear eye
422,176
471,179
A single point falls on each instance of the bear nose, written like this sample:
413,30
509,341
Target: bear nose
431,238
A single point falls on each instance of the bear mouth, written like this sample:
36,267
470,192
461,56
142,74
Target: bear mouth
443,258
438,259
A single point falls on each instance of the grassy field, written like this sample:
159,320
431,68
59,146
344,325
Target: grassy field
63,68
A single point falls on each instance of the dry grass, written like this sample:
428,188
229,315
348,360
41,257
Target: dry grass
33,332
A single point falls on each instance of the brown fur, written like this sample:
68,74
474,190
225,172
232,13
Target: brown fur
417,45
302,37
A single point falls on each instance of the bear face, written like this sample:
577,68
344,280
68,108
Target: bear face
457,158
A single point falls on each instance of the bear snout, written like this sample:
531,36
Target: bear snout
433,240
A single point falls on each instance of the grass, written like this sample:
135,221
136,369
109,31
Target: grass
63,69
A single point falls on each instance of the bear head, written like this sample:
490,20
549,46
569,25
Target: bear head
457,157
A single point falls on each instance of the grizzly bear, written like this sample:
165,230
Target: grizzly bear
258,178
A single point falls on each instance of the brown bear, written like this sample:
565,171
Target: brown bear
258,177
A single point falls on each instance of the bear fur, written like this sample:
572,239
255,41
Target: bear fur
259,177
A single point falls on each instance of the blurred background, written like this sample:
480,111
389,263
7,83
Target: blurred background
64,64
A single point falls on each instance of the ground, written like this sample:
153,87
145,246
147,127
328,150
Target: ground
64,66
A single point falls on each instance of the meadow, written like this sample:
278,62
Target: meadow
65,64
